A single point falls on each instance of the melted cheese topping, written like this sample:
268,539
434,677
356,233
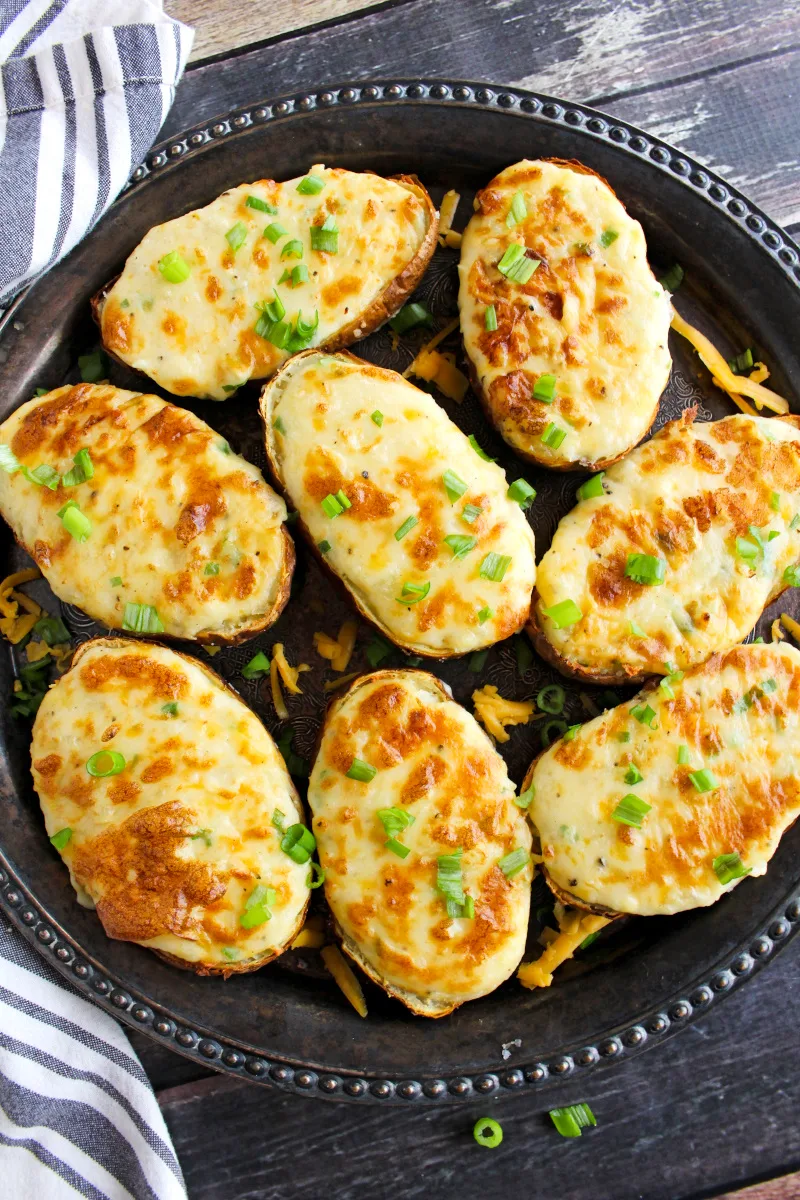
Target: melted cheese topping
685,497
169,850
392,473
750,746
434,762
198,337
592,315
167,498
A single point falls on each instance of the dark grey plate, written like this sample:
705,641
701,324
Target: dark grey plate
288,1024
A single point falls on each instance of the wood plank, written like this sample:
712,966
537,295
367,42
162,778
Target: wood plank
224,25
632,58
787,1187
706,1113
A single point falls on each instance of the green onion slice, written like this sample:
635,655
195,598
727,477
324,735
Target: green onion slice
703,780
460,544
683,756
551,699
92,366
518,211
260,205
211,568
8,460
43,476
60,839
170,709
105,763
775,501
477,661
521,493
545,388
494,566
624,736
608,237
142,618
512,863
470,513
516,265
83,469
292,249
412,593
299,843
409,316
257,666
523,800
51,630
644,714
571,1121
488,1132
448,876
490,318
116,581
563,614
275,232
485,615
310,185
792,576
174,268
331,506
361,771
395,820
256,907
316,876
377,651
236,236
454,486
672,279
397,847
728,867
646,569
325,237
279,820
552,730
377,417
324,546
633,774
553,435
592,487
473,441
75,522
636,630
405,528
630,811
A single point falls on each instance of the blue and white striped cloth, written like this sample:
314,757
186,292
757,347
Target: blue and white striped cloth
85,86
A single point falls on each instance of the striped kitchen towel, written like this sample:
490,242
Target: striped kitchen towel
77,1113
85,86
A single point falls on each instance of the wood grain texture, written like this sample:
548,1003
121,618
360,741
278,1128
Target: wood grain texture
716,79
224,25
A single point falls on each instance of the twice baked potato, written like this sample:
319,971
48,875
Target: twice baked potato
226,293
412,518
159,788
674,552
426,857
140,514
563,321
662,803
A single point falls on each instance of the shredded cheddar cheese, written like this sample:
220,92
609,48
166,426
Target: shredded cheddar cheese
344,977
288,674
36,651
453,239
449,328
311,936
337,650
759,373
447,212
494,712
13,626
777,633
736,386
277,695
540,973
326,647
439,369
333,684
791,626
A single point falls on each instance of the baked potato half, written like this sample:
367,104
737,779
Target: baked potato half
663,803
140,514
158,788
673,553
406,512
563,321
226,293
426,857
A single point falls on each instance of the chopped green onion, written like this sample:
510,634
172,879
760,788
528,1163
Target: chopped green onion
644,714
795,521
405,528
473,441
397,847
395,820
511,864
202,834
747,549
792,576
236,236
477,661
310,185
460,544
608,237
256,910
275,232
75,522
545,389
325,237
552,729
279,425
633,774
775,501
592,487
448,876
523,653
331,506
92,366
553,436
361,771
683,756
666,688
377,417
672,279
257,666
292,249
470,513
116,581
454,486
211,568
521,493
409,316
60,839
636,630
572,1120
299,843
44,391
105,763
342,498
51,630
646,569
299,274
83,469
412,593
703,780
488,1132
551,699
8,460
174,268
315,877
279,820
728,867
523,800
630,811
518,211
490,318
324,546
494,566
516,265
142,618
230,952
485,615
563,614
170,709
260,205
624,736
377,651
43,476
742,362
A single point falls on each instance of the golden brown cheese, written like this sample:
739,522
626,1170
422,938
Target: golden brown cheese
169,849
178,521
591,315
322,439
198,336
738,717
434,763
684,498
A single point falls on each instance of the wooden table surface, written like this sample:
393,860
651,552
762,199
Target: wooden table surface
715,1109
